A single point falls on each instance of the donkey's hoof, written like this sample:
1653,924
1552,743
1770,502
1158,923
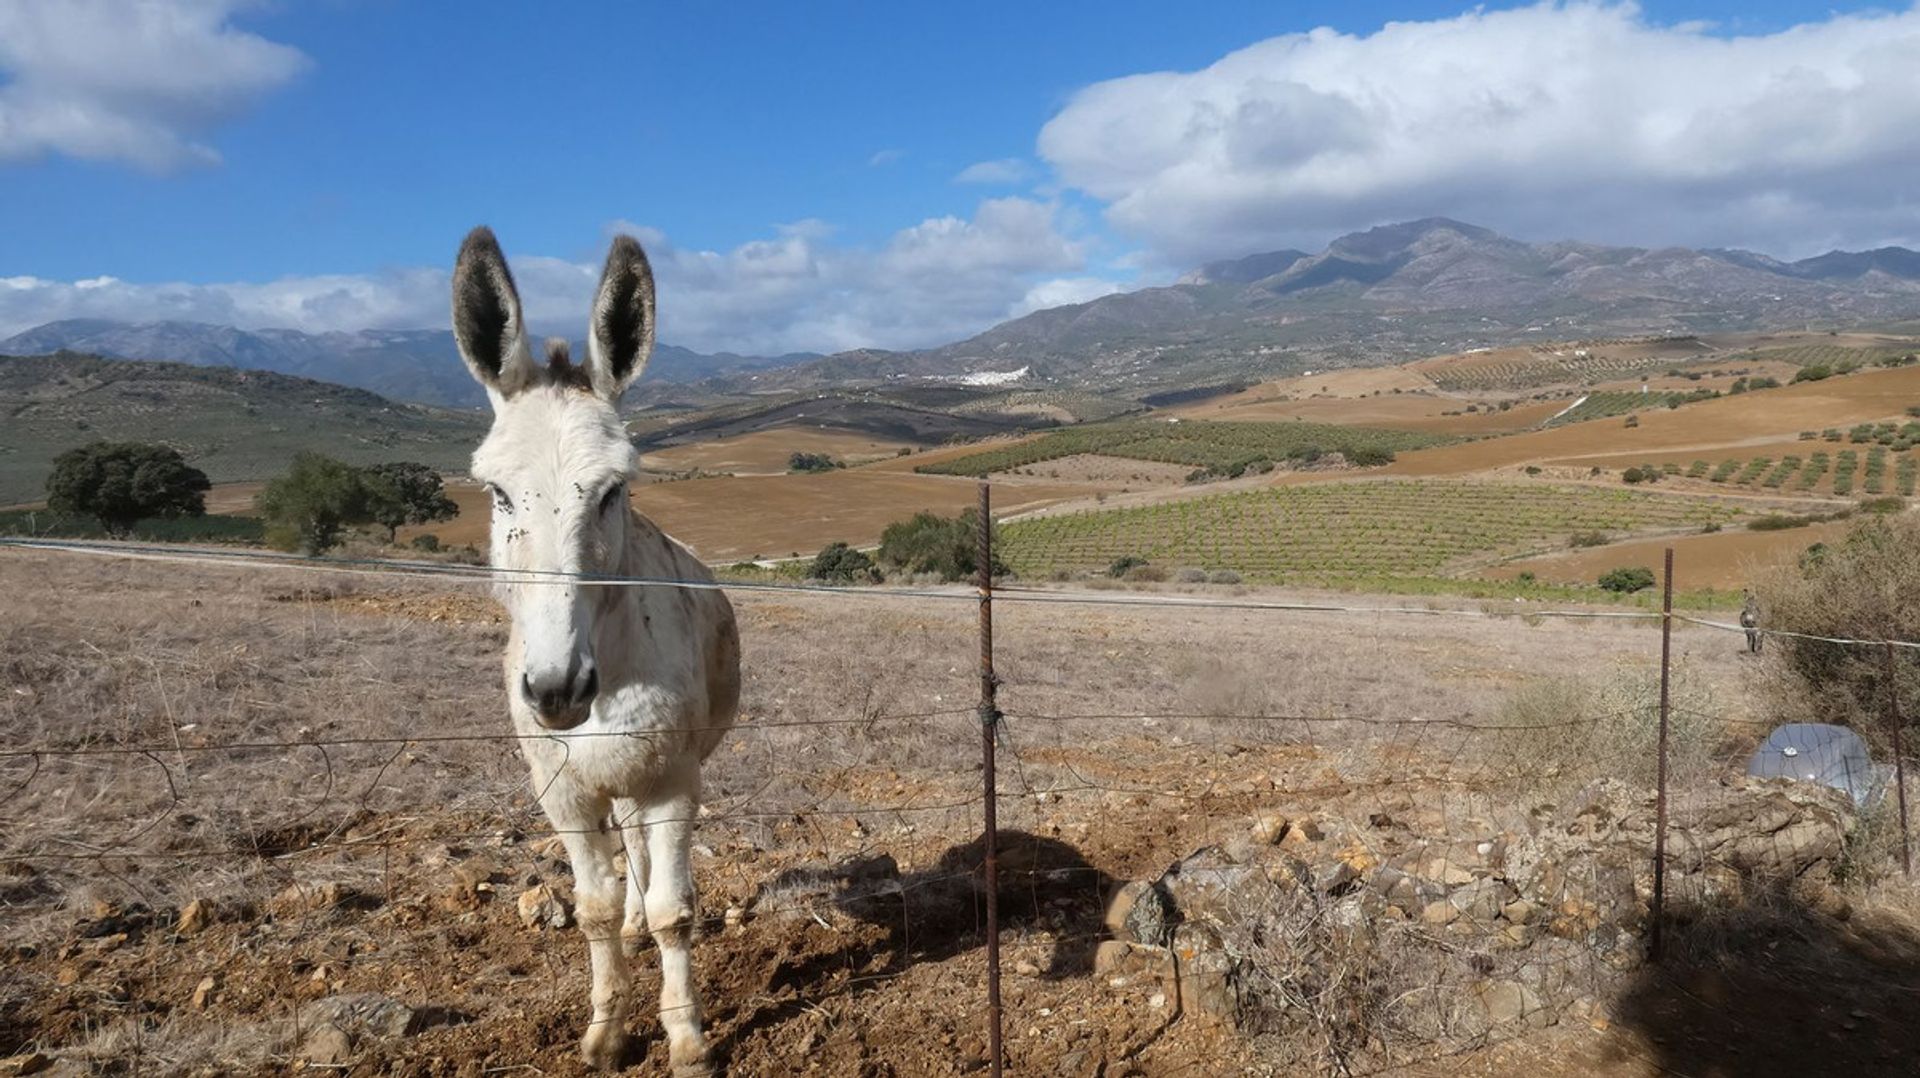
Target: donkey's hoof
692,1060
604,1047
698,1068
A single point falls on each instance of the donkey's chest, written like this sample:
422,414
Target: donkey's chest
628,740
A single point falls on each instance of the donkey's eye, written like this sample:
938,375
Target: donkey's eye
500,499
612,497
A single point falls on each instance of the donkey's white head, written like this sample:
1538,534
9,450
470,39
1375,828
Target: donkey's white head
557,461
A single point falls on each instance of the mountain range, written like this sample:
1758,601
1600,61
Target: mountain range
1381,296
419,365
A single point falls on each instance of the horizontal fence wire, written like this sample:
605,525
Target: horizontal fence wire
1002,593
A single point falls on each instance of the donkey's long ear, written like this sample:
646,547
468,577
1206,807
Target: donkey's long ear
486,317
621,336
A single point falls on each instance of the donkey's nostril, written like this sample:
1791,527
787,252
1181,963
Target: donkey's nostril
587,687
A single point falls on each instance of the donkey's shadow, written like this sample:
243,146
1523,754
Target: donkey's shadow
936,913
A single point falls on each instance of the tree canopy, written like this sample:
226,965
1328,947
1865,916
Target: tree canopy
122,482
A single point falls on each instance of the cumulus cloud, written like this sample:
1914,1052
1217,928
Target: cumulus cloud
940,280
1560,120
140,81
1006,170
1061,291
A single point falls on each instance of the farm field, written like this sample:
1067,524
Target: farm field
1195,444
731,518
1348,531
1723,561
1424,412
766,452
1762,417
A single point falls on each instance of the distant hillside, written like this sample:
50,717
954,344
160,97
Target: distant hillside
232,424
422,365
1396,293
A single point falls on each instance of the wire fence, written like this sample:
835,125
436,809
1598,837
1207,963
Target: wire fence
1346,881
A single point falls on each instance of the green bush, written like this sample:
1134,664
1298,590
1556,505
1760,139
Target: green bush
1124,564
930,543
206,528
1587,539
1627,580
842,564
314,502
118,483
812,462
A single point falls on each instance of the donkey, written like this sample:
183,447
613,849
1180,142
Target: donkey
618,693
1750,621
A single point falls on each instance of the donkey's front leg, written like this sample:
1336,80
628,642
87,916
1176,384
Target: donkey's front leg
671,909
633,933
597,905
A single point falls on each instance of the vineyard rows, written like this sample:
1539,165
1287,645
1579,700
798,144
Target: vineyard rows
1850,471
1543,370
1192,443
1334,531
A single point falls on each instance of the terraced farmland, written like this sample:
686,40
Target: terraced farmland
1349,533
1192,443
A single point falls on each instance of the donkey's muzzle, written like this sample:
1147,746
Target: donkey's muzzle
564,701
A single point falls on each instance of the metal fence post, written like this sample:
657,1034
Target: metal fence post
989,730
1899,757
1659,910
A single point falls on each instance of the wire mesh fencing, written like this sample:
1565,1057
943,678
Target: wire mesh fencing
249,805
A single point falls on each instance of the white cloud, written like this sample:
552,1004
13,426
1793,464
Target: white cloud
940,280
1060,292
1006,170
882,158
1581,120
122,80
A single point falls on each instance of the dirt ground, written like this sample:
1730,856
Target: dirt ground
1728,560
838,858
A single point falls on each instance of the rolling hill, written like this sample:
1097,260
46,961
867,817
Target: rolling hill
232,424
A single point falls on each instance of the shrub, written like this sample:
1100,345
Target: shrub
118,483
1633,421
1626,581
1533,469
1862,587
1575,730
812,462
318,498
840,563
1586,539
1190,576
426,541
1889,504
944,547
1124,564
1147,574
1368,456
1227,576
1813,373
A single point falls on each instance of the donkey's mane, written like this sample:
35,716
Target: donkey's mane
561,370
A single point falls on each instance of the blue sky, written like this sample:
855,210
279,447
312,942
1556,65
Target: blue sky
830,175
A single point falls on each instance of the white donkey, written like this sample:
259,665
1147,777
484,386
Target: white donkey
643,680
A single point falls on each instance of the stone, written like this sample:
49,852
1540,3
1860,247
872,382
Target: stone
327,1046
1128,961
204,991
300,897
364,1012
1509,1002
541,906
1026,969
1519,911
1333,876
1432,865
1480,900
1439,913
1269,828
196,916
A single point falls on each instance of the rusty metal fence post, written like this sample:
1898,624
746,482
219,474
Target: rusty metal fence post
1899,757
989,730
1659,908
